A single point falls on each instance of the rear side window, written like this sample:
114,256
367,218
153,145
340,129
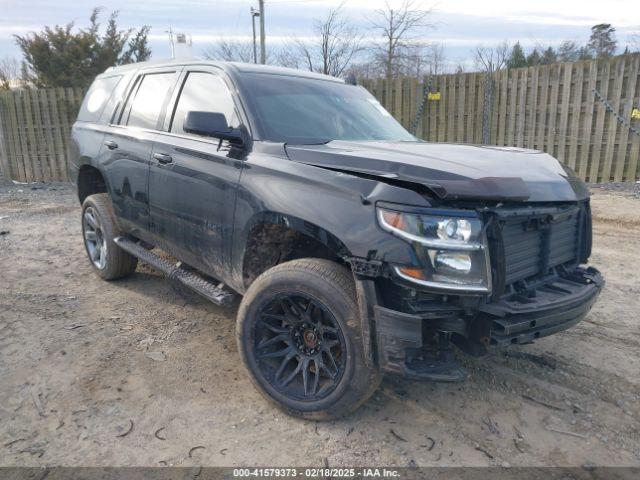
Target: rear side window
96,98
204,92
147,103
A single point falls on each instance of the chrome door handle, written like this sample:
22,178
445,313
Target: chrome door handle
111,145
163,158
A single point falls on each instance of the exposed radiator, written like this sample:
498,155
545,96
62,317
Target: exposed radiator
534,245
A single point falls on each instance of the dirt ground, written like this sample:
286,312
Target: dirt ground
135,372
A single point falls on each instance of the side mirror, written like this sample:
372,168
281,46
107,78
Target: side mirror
212,124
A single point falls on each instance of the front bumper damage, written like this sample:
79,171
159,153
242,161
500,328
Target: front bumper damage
398,342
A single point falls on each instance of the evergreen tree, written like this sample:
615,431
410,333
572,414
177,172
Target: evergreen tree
65,57
517,57
138,49
568,51
549,56
584,53
533,58
602,43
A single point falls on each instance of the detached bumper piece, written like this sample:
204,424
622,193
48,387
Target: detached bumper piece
545,310
401,350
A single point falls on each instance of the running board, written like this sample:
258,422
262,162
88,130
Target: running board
187,277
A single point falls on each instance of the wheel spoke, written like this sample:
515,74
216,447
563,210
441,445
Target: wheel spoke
316,376
88,216
90,236
331,343
277,353
274,328
305,377
273,316
292,375
329,373
94,252
334,366
308,311
278,338
283,365
291,317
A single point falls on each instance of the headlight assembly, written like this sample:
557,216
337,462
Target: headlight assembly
452,249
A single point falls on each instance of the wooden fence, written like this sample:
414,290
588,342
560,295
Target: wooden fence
580,112
34,132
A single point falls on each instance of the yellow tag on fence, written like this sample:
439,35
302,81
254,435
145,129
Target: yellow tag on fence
635,114
435,96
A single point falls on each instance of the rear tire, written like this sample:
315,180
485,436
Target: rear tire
99,229
299,336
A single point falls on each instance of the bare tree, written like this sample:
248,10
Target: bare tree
339,43
414,62
288,55
230,50
364,69
398,27
490,60
435,58
9,72
422,58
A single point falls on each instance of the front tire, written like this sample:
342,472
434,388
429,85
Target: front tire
99,229
299,336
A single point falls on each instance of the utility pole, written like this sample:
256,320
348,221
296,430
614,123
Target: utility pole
173,48
263,49
254,13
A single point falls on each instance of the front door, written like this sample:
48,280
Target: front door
192,180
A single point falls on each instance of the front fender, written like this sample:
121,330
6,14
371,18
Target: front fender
335,208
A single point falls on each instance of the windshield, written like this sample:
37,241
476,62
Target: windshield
298,110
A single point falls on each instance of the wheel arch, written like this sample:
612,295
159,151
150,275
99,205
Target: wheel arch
90,181
271,238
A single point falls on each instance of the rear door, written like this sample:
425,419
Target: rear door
128,144
192,180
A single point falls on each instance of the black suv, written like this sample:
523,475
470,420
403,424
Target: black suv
358,249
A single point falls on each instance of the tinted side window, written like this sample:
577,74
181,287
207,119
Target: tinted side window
96,98
203,92
148,100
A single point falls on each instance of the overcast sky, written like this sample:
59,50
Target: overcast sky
459,24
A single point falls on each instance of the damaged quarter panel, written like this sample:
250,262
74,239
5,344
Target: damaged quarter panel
336,208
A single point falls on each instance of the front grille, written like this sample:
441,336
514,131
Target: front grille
535,242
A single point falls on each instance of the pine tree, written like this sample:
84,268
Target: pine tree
533,59
584,53
568,51
517,57
549,56
602,43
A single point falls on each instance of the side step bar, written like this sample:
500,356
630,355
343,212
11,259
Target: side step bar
189,278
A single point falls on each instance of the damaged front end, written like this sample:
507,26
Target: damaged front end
509,274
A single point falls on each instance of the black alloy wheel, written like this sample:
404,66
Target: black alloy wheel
299,346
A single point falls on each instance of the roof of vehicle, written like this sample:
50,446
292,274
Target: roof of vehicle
236,67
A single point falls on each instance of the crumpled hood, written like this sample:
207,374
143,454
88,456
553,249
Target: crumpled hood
452,171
